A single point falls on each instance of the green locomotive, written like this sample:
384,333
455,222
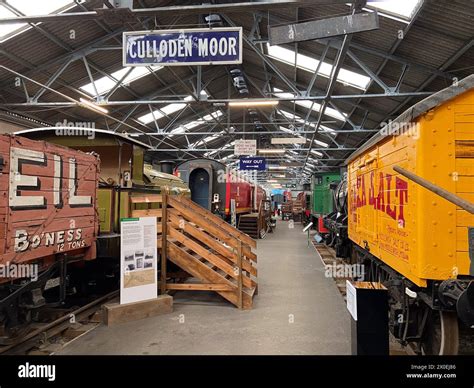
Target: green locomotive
322,199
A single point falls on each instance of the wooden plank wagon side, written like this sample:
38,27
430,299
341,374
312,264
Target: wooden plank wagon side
48,219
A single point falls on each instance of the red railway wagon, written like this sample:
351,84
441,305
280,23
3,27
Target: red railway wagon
260,195
304,198
213,185
48,212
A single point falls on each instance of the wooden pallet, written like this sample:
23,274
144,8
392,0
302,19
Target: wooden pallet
203,245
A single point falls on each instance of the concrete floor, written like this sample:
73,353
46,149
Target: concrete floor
297,311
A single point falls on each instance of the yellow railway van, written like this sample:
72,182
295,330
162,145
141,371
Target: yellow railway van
416,232
415,241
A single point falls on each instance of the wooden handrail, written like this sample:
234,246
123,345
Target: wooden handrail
217,220
204,246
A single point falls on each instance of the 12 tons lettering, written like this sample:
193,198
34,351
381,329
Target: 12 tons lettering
20,157
70,239
383,192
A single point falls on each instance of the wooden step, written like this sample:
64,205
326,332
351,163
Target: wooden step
205,274
251,292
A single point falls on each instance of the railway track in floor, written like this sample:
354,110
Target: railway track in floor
329,258
46,338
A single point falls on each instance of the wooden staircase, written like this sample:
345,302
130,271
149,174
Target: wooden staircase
217,256
249,224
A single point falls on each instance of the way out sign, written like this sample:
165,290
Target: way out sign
198,46
256,163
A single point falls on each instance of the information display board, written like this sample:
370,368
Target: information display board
138,261
245,147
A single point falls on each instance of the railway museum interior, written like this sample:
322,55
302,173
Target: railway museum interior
238,178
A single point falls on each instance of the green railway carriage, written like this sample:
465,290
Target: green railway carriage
322,201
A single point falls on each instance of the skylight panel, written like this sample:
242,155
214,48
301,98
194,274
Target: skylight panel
213,115
172,108
321,143
402,8
228,145
309,64
30,8
207,139
309,105
149,117
180,129
192,124
284,129
6,29
210,138
162,112
105,84
314,152
294,117
299,119
327,129
317,107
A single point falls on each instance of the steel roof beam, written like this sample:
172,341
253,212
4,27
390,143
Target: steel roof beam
264,58
386,59
53,78
324,28
175,10
76,102
320,92
370,73
347,132
225,100
332,83
336,43
286,149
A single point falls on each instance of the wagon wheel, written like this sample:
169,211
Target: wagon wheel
442,334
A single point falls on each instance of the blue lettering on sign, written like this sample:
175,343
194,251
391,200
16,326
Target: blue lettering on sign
256,163
183,47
